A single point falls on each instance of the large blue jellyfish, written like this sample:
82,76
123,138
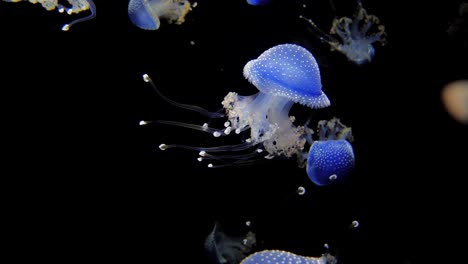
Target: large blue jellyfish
354,39
279,256
75,6
284,75
147,14
225,249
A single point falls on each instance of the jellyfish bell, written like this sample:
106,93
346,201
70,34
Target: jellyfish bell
329,161
331,157
147,14
258,2
280,256
454,97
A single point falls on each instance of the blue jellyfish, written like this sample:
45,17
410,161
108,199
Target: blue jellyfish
258,2
224,249
75,6
147,14
354,41
279,256
331,157
284,75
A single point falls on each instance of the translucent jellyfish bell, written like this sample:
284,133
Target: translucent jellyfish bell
147,14
455,99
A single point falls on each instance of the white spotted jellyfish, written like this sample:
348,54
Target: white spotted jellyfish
280,256
354,38
147,14
284,75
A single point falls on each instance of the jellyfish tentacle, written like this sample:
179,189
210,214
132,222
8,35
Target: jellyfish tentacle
92,9
190,107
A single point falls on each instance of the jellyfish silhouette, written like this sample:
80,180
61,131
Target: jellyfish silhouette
284,75
147,14
279,256
225,249
355,39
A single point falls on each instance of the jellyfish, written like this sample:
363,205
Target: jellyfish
354,38
331,157
224,249
284,75
147,14
279,256
258,2
75,6
455,100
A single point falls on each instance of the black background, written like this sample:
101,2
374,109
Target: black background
85,178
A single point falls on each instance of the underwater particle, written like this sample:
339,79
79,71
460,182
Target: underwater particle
279,256
301,190
455,100
354,224
75,6
224,249
354,38
147,14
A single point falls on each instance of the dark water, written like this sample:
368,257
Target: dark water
88,179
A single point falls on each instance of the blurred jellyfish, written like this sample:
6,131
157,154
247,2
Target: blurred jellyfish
147,14
279,256
354,41
258,2
224,249
74,7
455,99
284,75
458,28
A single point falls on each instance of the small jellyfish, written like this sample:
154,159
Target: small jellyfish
74,7
355,40
331,158
455,99
284,75
147,14
279,256
224,249
258,2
